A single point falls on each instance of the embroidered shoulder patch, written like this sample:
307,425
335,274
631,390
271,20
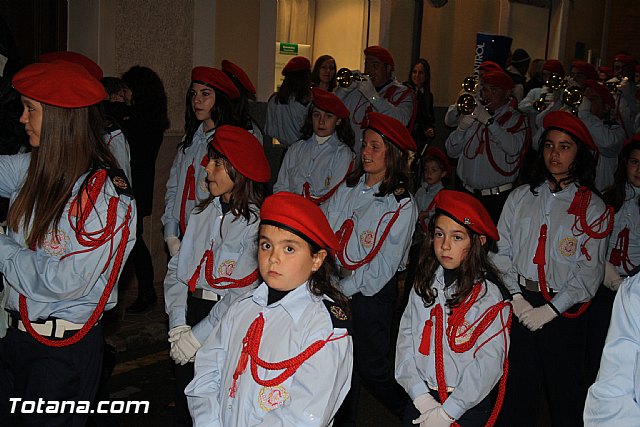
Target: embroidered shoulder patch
120,182
339,319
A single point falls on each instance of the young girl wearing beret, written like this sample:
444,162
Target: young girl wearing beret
70,230
217,258
281,354
454,334
318,163
208,106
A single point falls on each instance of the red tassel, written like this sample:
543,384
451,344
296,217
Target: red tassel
194,280
242,364
539,258
574,209
425,343
615,257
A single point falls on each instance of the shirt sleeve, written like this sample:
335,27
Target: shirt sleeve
401,112
503,258
609,139
169,221
614,398
282,183
457,138
510,143
13,170
175,295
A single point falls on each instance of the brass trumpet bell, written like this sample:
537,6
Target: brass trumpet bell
572,96
345,77
470,84
466,103
555,82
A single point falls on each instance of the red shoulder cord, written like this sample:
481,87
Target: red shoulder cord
580,225
388,94
620,253
214,282
486,142
112,137
344,234
320,200
91,240
456,330
251,348
188,193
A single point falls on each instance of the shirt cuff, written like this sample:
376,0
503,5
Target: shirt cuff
171,229
177,317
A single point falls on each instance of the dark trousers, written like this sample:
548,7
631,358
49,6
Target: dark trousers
492,203
372,319
31,371
474,417
550,359
598,319
197,309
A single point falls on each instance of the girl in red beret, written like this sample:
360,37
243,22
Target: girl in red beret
208,106
323,74
71,226
316,165
553,240
454,334
282,353
287,108
374,215
217,258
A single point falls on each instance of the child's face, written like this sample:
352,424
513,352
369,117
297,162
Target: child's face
373,154
117,96
285,260
433,173
559,152
324,122
203,98
220,184
451,242
633,168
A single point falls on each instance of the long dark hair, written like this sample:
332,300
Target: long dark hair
222,113
343,129
427,75
245,196
616,194
582,171
396,172
475,266
71,137
296,85
315,72
323,281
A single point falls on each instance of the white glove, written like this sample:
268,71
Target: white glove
538,317
188,345
177,355
435,418
481,114
425,402
465,122
550,97
612,279
173,244
585,105
520,305
176,331
366,88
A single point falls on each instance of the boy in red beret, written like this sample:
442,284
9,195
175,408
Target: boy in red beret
281,354
317,164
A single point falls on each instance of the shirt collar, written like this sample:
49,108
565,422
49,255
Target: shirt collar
294,303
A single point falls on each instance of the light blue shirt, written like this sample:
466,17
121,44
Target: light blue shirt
193,155
371,215
119,148
471,374
628,216
426,194
56,283
323,166
614,399
235,254
310,397
284,121
568,271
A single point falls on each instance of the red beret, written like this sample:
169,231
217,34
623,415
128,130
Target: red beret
468,211
624,58
497,79
59,83
490,66
77,58
216,79
297,63
634,138
329,102
569,123
381,53
585,68
602,91
432,151
301,215
553,66
607,70
243,151
233,70
392,129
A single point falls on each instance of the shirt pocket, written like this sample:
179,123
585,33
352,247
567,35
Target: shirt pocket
566,247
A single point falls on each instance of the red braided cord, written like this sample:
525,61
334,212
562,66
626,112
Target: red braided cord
320,200
94,186
251,347
620,253
583,197
539,260
456,319
521,156
188,193
207,259
344,234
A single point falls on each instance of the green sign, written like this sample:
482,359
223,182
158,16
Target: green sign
288,48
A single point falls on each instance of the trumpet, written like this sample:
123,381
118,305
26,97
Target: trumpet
466,103
554,83
572,97
345,77
615,84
